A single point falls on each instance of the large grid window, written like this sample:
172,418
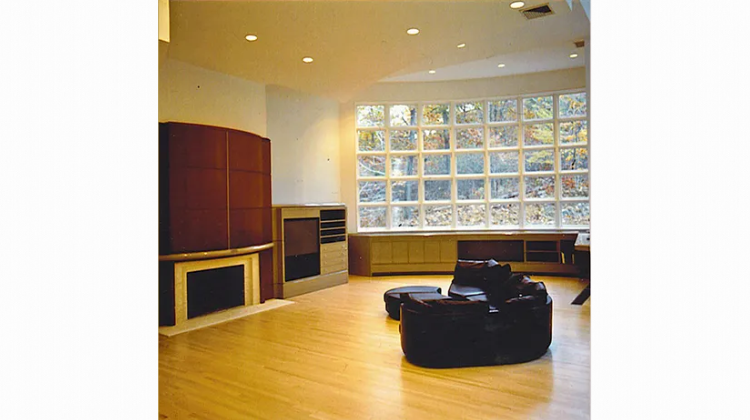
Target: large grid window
507,163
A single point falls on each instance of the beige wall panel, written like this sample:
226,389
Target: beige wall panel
400,252
431,251
381,253
448,251
416,251
446,268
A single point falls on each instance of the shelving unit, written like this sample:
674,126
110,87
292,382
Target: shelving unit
542,251
332,249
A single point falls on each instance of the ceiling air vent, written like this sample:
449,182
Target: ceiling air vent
537,12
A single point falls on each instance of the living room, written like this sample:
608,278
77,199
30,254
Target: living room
313,114
361,137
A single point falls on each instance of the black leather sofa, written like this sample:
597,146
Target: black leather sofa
492,317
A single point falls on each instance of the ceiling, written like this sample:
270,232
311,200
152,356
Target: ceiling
358,43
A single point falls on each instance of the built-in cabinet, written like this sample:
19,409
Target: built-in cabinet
214,188
214,205
310,248
533,252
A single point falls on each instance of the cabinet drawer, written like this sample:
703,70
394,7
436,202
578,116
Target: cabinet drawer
335,254
333,247
333,269
326,262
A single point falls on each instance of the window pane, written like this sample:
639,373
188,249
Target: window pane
370,116
436,139
503,162
539,186
471,215
469,138
437,190
575,185
404,165
540,214
372,217
371,141
537,134
470,189
403,139
572,105
504,136
504,214
575,214
539,160
371,166
437,165
436,114
503,110
469,113
403,217
372,191
574,132
402,115
405,191
572,159
539,108
470,163
438,215
503,188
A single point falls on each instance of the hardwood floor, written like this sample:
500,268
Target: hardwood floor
335,354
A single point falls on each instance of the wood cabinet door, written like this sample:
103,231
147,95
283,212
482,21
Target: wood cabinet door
197,188
249,180
197,146
246,152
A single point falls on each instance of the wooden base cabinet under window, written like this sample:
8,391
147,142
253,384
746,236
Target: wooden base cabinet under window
437,252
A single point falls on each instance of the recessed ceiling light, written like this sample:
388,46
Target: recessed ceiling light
307,59
412,31
431,72
501,65
251,37
574,55
460,45
517,5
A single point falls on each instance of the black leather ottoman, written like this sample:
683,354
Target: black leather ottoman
393,300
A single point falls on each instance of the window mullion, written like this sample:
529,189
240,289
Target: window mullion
521,163
370,117
388,209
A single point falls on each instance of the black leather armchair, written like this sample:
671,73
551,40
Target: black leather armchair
493,317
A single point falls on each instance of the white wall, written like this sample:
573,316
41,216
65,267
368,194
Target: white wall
439,91
304,133
195,95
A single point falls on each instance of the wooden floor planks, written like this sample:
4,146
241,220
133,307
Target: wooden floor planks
336,355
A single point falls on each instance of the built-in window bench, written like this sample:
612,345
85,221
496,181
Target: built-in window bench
548,252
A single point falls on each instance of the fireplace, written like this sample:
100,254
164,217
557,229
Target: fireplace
204,287
215,289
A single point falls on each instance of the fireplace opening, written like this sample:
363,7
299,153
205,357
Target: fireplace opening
215,289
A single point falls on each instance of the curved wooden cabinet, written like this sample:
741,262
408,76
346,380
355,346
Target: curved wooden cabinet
214,193
214,188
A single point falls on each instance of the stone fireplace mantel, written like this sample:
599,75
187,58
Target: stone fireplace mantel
185,264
